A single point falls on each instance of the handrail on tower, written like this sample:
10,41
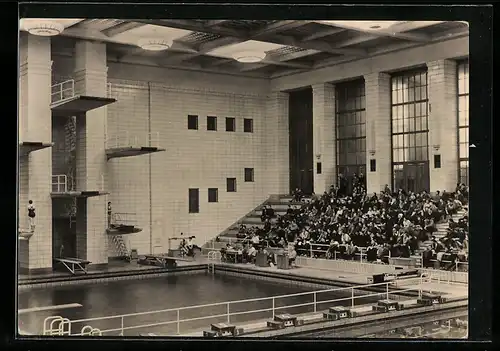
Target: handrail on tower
63,91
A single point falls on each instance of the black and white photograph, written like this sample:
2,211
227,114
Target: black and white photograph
243,178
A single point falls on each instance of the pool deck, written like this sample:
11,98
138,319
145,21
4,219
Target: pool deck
117,268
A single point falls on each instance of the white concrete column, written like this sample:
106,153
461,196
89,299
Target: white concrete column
278,139
91,80
378,130
443,124
324,136
36,125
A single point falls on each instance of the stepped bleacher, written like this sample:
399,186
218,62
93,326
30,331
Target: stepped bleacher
412,226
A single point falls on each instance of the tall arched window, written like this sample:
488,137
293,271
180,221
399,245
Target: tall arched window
463,122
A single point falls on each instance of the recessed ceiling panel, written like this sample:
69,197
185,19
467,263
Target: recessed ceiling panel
250,45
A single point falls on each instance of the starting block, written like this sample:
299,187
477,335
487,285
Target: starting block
221,329
283,321
429,299
386,306
335,313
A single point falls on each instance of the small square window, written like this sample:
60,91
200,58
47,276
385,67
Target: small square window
231,185
318,168
194,200
230,124
193,122
211,123
213,195
248,125
373,165
248,174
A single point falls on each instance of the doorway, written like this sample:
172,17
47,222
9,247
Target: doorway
411,176
300,117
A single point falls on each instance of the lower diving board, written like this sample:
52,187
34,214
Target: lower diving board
161,260
73,264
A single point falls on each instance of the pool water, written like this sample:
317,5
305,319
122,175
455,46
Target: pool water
131,296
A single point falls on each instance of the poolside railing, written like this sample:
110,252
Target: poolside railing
361,256
228,311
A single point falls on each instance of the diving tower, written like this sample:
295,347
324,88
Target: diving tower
61,188
65,102
26,147
122,223
127,145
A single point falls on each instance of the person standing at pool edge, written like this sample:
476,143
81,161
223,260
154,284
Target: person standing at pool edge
31,214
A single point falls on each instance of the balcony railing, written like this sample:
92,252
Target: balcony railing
63,91
127,140
60,184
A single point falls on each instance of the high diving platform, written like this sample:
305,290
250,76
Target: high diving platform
66,103
61,188
127,145
26,147
123,223
25,234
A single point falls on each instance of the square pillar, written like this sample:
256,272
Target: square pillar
324,136
277,138
378,131
91,80
443,124
35,171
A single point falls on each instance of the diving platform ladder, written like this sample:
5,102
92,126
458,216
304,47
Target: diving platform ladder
56,325
121,248
125,144
66,102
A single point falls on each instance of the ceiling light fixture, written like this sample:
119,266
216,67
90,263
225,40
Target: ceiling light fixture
154,44
249,56
43,28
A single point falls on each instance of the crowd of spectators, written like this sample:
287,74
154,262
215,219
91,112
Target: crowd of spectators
346,221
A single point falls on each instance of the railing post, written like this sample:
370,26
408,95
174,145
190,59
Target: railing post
311,252
387,291
122,326
273,307
352,297
335,254
315,301
228,315
178,322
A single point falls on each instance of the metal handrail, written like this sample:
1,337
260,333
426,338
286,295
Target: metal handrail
423,279
63,91
124,217
360,254
125,140
60,181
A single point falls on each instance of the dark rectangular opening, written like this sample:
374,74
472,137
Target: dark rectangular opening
194,200
373,165
248,174
211,123
437,161
230,124
248,125
213,195
231,185
193,122
318,167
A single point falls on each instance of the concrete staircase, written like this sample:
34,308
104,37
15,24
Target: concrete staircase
442,228
278,202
